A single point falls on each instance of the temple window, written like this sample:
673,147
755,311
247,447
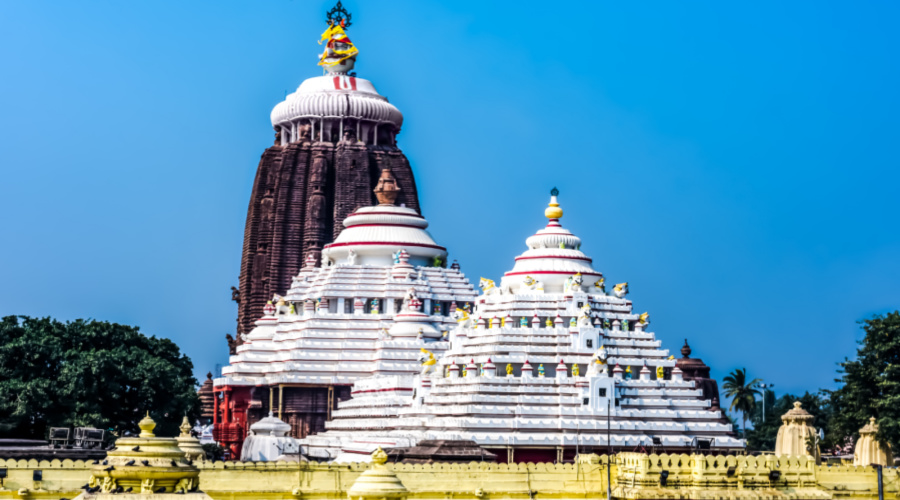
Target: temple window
602,392
348,306
590,343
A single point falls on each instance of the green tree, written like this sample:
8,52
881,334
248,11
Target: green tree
742,393
89,373
871,385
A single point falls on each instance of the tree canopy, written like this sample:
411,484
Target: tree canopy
92,374
871,385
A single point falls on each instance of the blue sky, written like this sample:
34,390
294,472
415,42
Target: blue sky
736,163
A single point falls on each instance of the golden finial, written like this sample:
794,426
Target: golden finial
553,211
185,427
379,457
147,425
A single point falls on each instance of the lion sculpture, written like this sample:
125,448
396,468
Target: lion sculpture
574,282
462,318
598,361
584,319
530,284
488,287
428,361
600,286
620,290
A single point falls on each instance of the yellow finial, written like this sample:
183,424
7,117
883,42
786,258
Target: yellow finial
379,457
147,425
553,211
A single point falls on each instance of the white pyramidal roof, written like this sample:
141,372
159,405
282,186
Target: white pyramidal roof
378,296
546,359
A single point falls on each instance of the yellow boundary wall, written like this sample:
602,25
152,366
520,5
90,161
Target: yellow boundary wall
635,476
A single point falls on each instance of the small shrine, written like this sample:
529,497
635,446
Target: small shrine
796,434
868,450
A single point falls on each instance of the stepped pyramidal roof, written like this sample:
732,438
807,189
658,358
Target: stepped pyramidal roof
547,361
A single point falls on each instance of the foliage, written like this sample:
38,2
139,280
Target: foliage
742,393
871,385
765,430
89,373
214,452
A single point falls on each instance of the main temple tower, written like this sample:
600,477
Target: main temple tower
333,138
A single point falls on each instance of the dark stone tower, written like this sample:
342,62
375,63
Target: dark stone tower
333,137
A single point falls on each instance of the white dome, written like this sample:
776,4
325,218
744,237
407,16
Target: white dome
553,256
376,233
336,96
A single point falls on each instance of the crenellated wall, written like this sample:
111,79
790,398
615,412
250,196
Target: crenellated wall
635,476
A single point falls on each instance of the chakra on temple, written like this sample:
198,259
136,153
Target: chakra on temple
549,313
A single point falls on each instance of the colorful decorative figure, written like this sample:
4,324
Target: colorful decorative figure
468,307
606,323
624,325
438,261
292,309
530,284
523,322
464,371
575,370
396,256
488,287
574,282
660,372
436,309
427,360
620,290
541,370
373,305
549,323
600,286
462,318
584,319
628,374
509,370
562,245
411,300
573,322
644,318
598,361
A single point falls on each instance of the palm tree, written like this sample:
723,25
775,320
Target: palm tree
742,393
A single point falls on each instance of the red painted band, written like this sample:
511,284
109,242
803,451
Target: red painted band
385,243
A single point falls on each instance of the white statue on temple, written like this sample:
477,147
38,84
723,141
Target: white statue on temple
411,301
620,290
598,362
573,284
326,262
530,284
463,319
584,319
351,258
428,362
599,286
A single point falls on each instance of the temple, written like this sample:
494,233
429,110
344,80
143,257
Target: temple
333,138
548,364
369,306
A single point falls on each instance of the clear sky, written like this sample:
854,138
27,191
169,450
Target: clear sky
736,163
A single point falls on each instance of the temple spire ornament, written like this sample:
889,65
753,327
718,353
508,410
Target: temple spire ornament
340,54
387,190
